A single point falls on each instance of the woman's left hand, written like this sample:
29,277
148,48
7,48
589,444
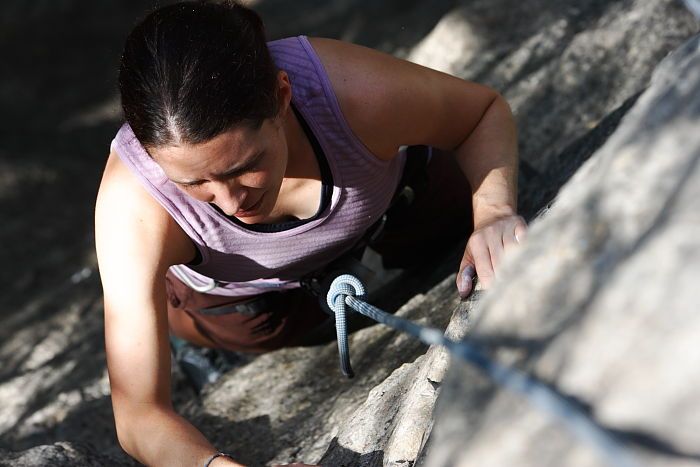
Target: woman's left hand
485,249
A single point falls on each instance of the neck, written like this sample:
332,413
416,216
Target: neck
301,162
300,192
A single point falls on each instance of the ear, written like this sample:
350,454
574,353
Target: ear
284,93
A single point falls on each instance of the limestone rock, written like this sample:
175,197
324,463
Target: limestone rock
601,303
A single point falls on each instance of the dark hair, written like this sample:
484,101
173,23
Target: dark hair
193,70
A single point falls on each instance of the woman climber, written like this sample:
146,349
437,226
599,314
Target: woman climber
245,166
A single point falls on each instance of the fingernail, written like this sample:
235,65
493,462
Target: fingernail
468,273
466,282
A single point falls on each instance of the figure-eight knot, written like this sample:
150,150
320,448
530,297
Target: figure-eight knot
343,286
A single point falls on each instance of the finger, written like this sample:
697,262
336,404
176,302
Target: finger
465,276
465,280
482,261
496,250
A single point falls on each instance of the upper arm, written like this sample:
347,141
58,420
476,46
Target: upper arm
390,102
136,242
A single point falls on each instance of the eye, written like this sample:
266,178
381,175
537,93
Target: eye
190,186
251,166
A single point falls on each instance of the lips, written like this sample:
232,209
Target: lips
249,211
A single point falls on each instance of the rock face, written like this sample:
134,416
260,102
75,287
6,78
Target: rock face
61,453
587,306
602,302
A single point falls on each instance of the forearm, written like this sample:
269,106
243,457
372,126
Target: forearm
489,159
164,438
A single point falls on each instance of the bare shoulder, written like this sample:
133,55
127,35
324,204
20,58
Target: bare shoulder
390,102
123,204
131,225
346,65
121,195
118,184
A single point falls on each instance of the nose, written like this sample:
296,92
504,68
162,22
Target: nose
228,196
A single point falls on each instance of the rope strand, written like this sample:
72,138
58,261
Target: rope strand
347,290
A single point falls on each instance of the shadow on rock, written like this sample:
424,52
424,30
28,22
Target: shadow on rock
338,456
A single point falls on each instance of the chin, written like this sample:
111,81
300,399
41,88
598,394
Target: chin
256,219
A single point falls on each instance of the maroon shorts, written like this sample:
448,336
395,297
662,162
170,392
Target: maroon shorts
435,214
269,322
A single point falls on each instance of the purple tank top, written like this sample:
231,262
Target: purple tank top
237,261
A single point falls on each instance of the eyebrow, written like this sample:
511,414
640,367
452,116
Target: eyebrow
231,172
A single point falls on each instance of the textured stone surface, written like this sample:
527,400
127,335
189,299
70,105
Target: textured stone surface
565,67
602,302
61,453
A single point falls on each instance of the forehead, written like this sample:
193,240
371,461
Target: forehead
231,144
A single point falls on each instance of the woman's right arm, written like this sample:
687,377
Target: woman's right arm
137,241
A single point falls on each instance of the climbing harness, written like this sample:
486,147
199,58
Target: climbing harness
347,291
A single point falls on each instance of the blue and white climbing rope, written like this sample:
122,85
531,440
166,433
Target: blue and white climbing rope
347,291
